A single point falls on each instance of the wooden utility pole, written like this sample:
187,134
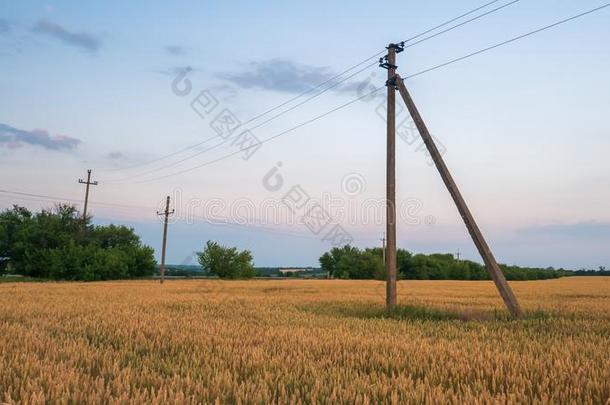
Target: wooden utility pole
390,256
87,183
490,262
165,213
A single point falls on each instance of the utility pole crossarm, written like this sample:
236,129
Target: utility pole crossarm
490,262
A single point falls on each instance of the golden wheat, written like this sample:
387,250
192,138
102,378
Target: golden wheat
302,341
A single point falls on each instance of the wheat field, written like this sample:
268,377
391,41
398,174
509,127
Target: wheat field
303,341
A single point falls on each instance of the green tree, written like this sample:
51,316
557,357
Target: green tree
372,261
327,263
403,264
343,262
12,223
226,262
347,259
57,244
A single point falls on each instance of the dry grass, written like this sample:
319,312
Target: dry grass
303,342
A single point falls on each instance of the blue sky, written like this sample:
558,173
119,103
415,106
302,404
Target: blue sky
525,126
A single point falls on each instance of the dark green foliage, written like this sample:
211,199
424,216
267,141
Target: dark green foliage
56,244
184,270
226,262
352,263
601,271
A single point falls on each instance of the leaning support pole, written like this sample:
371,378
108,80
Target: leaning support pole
490,262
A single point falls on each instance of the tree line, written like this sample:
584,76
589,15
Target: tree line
59,244
350,262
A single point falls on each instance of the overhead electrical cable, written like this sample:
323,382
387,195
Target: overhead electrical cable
452,61
331,79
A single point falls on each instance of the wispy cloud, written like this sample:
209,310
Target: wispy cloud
223,91
5,27
82,40
12,138
176,70
115,155
580,230
175,50
284,76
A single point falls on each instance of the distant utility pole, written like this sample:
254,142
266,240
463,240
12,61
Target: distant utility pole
88,183
390,256
383,249
457,255
166,213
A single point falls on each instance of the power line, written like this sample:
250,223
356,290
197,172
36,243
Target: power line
331,79
264,113
210,221
407,46
172,164
489,48
175,163
450,21
185,149
314,96
319,85
43,197
265,140
255,127
462,23
377,89
371,58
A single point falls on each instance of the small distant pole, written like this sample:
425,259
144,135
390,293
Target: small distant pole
166,213
383,249
457,255
88,183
